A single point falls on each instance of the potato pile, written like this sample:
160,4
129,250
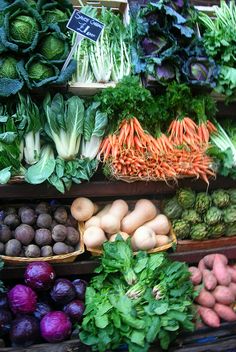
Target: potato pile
215,281
42,231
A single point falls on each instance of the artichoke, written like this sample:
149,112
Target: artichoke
203,202
230,214
186,198
199,232
172,209
181,228
232,195
217,230
213,216
220,198
191,216
231,229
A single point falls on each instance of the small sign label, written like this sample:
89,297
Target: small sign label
84,25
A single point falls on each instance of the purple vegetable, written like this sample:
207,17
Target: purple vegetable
55,327
153,46
199,71
41,310
2,215
80,287
63,291
165,72
5,321
3,300
39,275
24,331
75,310
22,299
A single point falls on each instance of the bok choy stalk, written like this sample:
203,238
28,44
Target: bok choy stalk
29,124
94,128
83,72
65,120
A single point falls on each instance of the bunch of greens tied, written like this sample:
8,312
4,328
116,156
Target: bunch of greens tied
34,44
168,49
136,300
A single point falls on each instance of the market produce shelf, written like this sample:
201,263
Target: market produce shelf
96,189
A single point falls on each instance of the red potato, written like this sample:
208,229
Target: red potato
196,275
232,287
209,280
221,272
232,271
205,299
223,295
209,317
201,265
209,259
225,312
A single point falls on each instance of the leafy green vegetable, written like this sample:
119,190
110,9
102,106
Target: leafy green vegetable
136,300
23,28
54,46
39,71
8,67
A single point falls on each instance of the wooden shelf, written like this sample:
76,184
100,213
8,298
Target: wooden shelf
98,189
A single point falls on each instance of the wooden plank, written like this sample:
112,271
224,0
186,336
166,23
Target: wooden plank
224,345
98,189
88,89
190,245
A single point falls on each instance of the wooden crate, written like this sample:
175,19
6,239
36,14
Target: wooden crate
191,245
88,89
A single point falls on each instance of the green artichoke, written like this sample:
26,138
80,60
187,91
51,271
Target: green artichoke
203,202
191,216
181,228
231,229
213,216
186,198
220,198
232,195
199,232
217,230
230,214
172,209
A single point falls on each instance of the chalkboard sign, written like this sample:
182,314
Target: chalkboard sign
84,25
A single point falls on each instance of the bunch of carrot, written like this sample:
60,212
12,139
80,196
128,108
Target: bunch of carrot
131,153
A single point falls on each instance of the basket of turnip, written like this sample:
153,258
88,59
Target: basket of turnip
140,221
39,233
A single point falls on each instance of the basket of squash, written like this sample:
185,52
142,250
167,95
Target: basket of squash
140,220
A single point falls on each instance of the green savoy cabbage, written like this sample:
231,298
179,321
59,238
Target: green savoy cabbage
38,71
55,16
8,68
23,28
53,48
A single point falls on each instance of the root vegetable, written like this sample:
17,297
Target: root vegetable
71,221
59,233
205,299
196,275
94,237
73,236
209,317
111,222
160,225
82,209
44,221
232,271
46,251
220,271
232,287
124,235
162,240
60,215
28,216
21,209
10,210
24,233
60,248
13,248
224,312
201,265
209,259
5,233
71,249
32,251
223,295
144,211
12,220
209,280
54,223
43,237
42,208
144,238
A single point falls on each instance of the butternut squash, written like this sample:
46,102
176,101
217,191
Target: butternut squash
162,240
160,225
83,209
111,222
94,237
144,211
144,238
96,219
124,235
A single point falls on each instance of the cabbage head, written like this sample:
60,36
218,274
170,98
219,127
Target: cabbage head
8,68
39,71
23,28
53,48
55,16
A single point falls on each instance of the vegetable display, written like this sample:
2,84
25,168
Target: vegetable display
201,216
31,315
39,37
136,300
40,231
214,280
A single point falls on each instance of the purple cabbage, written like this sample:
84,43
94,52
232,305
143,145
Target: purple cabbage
39,275
41,310
75,310
22,299
5,321
153,46
80,288
55,327
24,331
165,72
63,291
